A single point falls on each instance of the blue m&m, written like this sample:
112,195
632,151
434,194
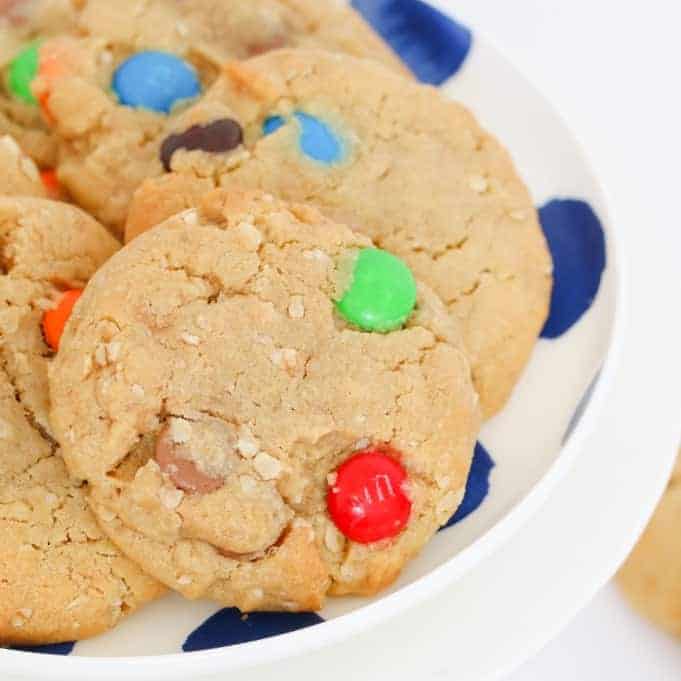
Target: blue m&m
156,81
317,139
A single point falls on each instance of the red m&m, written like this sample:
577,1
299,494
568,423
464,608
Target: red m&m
368,500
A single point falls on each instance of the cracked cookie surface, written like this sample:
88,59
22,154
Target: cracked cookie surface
651,577
397,161
208,390
60,577
105,150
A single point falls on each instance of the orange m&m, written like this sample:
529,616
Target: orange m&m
55,320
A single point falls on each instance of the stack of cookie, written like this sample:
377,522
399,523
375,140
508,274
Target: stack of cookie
271,393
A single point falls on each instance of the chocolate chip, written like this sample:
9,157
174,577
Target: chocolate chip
223,135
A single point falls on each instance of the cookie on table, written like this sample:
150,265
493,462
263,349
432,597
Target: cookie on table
396,160
266,408
114,89
19,175
651,577
60,578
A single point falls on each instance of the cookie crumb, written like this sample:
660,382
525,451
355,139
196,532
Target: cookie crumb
180,431
478,184
317,255
10,144
285,358
296,308
184,580
252,235
362,444
107,353
137,390
18,621
77,602
347,571
171,498
113,351
190,339
246,445
29,169
45,304
267,466
190,218
182,29
100,355
290,358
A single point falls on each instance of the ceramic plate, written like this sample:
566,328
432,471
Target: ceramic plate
521,454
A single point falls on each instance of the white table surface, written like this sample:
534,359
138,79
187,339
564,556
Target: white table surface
610,68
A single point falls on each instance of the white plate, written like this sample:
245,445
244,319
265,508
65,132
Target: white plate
528,442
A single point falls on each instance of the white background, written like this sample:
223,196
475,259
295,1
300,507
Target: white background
612,67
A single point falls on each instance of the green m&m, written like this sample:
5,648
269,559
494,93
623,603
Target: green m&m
22,72
381,294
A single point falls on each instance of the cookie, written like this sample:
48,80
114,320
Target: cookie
19,175
651,577
61,579
130,55
397,160
267,409
237,29
22,24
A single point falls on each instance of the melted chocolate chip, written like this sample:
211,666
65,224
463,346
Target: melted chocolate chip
218,136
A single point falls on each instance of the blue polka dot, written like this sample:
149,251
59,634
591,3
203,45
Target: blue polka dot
581,408
430,43
317,141
156,81
54,649
577,243
229,627
477,486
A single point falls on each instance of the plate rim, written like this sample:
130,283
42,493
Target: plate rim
296,643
